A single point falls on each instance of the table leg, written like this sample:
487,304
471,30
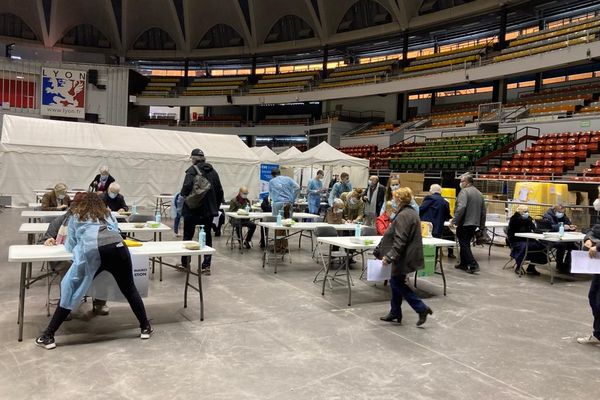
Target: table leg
439,259
275,251
549,263
492,241
21,314
160,264
326,272
200,294
187,283
348,277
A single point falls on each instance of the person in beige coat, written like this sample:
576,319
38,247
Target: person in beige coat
402,247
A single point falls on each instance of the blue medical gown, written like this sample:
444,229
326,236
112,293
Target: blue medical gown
314,195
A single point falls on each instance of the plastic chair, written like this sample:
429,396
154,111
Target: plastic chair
329,231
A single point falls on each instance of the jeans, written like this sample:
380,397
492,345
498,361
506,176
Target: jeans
400,290
251,228
117,261
282,206
176,223
594,297
465,236
189,233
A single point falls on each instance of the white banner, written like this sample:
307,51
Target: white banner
63,92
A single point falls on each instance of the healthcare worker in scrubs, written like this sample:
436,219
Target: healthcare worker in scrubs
315,187
93,238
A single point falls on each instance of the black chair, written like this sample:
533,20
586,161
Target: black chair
328,231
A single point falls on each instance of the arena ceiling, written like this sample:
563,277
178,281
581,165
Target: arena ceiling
203,29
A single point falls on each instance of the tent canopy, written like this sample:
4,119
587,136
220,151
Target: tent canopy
37,153
265,154
289,153
325,154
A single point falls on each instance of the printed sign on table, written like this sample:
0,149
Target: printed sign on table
105,287
63,92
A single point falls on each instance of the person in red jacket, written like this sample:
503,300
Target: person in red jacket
384,220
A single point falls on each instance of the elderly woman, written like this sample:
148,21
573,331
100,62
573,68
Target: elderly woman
335,213
385,219
102,181
56,199
521,222
402,247
93,238
355,206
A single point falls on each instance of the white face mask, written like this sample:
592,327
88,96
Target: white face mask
60,196
112,195
243,195
395,187
352,201
103,177
373,183
338,210
463,185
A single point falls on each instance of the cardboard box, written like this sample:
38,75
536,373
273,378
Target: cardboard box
412,180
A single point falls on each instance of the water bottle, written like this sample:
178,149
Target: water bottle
357,230
561,230
202,237
157,217
134,208
279,218
247,208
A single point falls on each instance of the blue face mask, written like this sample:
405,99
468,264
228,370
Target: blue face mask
112,195
525,215
560,214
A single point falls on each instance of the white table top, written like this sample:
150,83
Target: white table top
45,214
488,224
224,207
251,215
568,237
346,242
163,196
308,226
34,205
37,253
36,228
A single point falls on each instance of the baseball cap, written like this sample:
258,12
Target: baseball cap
197,153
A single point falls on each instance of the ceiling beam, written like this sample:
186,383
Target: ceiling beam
247,30
315,19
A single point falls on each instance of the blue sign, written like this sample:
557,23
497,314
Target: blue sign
265,177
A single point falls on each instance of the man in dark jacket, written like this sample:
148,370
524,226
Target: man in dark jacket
113,199
436,209
241,201
373,199
209,209
592,243
553,218
521,222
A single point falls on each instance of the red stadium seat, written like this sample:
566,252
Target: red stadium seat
538,163
549,155
570,162
560,147
527,163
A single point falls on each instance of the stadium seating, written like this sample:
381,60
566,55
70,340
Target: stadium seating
359,151
215,86
357,74
377,129
443,60
278,83
160,86
218,120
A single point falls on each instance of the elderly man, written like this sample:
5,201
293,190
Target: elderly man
241,202
57,199
113,199
552,219
283,191
343,186
335,214
469,214
373,199
436,209
521,222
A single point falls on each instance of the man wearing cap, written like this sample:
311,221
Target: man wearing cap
57,199
283,191
209,209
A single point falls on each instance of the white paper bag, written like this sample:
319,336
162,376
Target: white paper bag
105,287
377,272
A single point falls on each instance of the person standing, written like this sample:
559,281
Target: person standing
343,186
402,247
57,199
593,243
469,215
209,208
436,209
93,238
283,191
315,188
374,199
101,181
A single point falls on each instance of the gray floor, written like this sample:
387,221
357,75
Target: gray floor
266,336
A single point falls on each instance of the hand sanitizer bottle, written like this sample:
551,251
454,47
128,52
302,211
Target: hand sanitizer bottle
202,237
561,230
134,208
279,218
357,230
157,217
247,208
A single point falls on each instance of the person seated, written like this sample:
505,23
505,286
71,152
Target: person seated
101,181
241,202
113,199
385,219
553,218
355,206
56,199
521,222
335,214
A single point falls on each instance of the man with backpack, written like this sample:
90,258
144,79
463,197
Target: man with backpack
203,195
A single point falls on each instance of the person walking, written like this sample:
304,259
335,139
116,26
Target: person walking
593,244
469,215
402,247
93,238
208,209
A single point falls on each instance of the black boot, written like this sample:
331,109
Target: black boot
391,318
423,316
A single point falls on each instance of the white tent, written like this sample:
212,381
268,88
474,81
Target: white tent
332,161
289,153
266,155
37,153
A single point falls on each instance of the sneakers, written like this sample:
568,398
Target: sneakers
146,332
100,307
46,341
588,340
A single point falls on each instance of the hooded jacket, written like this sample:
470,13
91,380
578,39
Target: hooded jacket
213,198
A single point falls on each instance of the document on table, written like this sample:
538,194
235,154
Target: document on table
377,272
581,263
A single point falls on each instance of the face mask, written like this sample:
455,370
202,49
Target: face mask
338,211
525,215
373,183
395,187
112,195
352,201
560,214
60,196
462,185
103,177
394,204
244,196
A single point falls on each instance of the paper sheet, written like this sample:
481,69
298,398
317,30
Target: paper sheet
581,263
377,272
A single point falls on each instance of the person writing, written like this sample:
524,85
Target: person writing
57,199
113,199
101,181
335,214
553,218
241,202
355,207
93,238
402,247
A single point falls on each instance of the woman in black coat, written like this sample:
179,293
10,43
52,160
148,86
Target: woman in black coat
102,181
402,247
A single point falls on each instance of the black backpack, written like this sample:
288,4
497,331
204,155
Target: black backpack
200,187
